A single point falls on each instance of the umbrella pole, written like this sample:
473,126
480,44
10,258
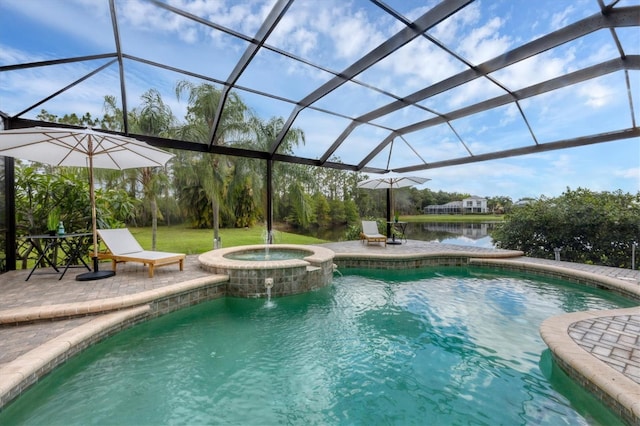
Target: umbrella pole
389,212
96,274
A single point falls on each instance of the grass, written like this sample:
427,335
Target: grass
183,239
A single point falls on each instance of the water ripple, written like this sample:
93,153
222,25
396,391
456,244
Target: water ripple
370,349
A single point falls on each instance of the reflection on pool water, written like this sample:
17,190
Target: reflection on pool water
445,346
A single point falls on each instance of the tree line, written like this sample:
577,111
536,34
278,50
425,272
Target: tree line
205,190
212,191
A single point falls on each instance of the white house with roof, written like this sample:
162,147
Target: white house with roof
473,204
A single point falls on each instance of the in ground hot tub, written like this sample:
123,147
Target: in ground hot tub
287,269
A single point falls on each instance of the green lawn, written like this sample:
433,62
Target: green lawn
182,239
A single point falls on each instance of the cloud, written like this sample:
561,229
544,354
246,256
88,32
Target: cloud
561,19
485,42
38,84
596,95
9,55
487,179
330,32
449,30
510,115
475,40
535,69
147,17
562,164
473,91
630,173
414,66
353,35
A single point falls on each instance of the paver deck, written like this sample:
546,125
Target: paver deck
612,339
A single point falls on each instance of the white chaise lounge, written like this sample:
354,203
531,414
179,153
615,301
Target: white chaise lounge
370,233
123,247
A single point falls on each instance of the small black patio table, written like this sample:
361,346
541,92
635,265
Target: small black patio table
401,228
74,247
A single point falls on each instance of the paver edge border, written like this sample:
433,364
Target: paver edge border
613,388
27,369
623,287
32,314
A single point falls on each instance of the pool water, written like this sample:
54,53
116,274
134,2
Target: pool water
262,255
446,346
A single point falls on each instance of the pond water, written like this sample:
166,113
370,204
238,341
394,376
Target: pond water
434,346
467,234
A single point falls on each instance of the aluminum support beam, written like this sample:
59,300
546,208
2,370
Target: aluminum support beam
619,17
434,16
267,27
631,62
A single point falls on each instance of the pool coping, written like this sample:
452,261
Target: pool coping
108,317
115,314
15,316
616,390
26,370
216,258
311,269
613,388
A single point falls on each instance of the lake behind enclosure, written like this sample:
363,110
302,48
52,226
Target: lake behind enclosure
467,234
475,234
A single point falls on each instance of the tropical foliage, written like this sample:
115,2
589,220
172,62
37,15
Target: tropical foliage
587,227
41,190
215,191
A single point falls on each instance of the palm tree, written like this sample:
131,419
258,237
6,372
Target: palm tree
203,102
296,176
153,118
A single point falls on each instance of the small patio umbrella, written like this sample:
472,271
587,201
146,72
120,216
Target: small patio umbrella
390,181
81,148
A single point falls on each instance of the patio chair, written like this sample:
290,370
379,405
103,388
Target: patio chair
370,233
123,247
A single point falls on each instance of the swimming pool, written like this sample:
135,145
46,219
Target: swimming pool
434,346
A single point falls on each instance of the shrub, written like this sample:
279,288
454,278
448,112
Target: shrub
588,227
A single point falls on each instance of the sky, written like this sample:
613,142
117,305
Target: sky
335,34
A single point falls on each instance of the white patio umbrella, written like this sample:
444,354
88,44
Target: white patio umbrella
389,181
392,180
81,148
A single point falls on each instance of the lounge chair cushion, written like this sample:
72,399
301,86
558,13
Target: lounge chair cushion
370,233
120,241
123,247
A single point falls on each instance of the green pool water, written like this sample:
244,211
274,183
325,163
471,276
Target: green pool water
429,347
